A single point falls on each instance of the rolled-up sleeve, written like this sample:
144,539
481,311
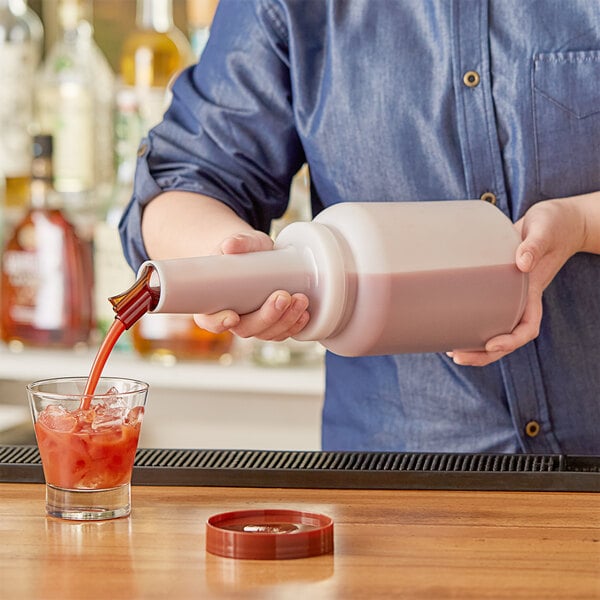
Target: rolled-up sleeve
229,131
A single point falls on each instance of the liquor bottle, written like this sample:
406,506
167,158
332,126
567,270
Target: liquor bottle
200,14
21,36
152,56
75,105
46,292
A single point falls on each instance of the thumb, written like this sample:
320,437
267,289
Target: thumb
525,259
533,247
241,243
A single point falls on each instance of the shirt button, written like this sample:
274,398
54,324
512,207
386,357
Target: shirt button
488,197
142,150
471,79
532,429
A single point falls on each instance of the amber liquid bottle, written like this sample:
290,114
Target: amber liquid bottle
153,55
46,291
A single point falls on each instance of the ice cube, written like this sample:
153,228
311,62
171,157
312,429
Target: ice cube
112,399
85,418
58,418
105,417
135,416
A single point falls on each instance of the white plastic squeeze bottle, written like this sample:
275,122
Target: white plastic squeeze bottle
381,277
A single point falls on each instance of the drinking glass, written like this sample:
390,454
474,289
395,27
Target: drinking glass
87,444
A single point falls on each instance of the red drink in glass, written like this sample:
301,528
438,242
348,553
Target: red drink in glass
77,455
87,451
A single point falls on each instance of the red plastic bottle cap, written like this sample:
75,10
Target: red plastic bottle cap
269,534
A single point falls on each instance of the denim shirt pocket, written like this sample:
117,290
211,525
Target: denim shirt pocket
566,105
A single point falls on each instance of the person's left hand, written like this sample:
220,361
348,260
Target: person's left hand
552,231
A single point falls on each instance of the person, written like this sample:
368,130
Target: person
397,100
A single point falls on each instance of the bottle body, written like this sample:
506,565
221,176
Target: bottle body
46,293
45,302
74,104
21,34
381,278
434,276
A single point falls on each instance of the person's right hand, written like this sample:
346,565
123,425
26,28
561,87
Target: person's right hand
281,316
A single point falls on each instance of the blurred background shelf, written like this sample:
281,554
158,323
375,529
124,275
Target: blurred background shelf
237,375
199,404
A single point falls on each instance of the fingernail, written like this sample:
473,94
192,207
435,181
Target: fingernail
281,302
228,322
526,260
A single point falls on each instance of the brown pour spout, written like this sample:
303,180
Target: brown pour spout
140,298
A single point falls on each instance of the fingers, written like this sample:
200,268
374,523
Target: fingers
217,322
525,258
533,247
501,345
550,230
255,241
281,316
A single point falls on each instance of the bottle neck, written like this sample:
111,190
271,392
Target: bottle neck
155,14
41,187
307,258
75,18
200,13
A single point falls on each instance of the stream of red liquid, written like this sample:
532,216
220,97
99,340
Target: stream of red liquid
113,335
129,307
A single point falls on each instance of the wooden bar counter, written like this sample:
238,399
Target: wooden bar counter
388,544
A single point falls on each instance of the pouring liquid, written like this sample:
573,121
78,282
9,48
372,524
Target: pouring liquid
129,307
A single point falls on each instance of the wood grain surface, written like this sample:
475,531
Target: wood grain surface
388,544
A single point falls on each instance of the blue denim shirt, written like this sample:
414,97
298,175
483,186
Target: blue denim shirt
406,100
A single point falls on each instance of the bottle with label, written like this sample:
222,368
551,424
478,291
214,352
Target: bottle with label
381,277
200,14
21,36
74,104
46,292
152,57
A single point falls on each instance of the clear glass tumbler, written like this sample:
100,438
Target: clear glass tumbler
87,444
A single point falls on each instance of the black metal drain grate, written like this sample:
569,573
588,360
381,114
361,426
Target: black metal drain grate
366,470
